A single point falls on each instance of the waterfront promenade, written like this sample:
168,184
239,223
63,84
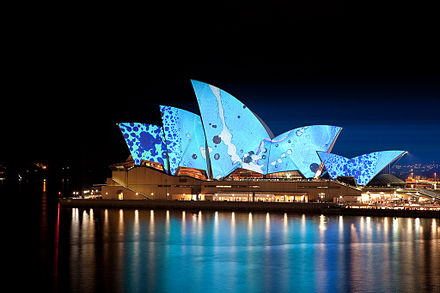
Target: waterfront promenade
277,207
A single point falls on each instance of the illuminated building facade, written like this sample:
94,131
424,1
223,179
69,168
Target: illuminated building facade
184,138
146,142
228,141
363,168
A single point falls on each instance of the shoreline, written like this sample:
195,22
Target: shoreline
277,207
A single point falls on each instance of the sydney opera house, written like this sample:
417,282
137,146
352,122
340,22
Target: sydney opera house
228,153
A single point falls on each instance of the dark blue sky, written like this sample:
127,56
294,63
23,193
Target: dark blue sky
378,80
376,112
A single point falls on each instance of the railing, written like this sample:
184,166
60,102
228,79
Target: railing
299,180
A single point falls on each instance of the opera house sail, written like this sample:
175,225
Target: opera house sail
145,142
232,131
185,139
363,168
227,136
296,149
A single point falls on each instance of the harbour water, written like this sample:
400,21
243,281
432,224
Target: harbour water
129,250
195,251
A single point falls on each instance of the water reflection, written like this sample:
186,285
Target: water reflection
184,251
250,225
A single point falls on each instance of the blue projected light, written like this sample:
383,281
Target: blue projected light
145,142
235,137
184,137
296,149
363,168
233,132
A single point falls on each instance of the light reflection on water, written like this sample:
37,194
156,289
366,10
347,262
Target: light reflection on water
184,251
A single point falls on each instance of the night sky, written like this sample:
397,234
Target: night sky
379,81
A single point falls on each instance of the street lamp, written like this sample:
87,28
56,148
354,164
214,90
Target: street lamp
435,180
